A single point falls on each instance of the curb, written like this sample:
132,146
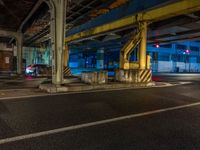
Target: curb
57,89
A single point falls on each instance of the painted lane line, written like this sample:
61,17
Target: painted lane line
91,124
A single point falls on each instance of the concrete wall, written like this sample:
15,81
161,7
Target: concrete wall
170,66
165,66
6,57
37,55
4,47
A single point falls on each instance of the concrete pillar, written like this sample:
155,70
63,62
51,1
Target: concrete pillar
174,69
30,55
58,12
143,46
174,48
100,59
50,54
19,40
80,60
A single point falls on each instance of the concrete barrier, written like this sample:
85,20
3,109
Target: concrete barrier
102,77
133,75
95,77
89,77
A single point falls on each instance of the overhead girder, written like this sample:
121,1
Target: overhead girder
130,8
33,10
157,14
6,33
104,10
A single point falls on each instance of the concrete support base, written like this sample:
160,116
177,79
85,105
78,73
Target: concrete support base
99,81
51,88
134,75
95,77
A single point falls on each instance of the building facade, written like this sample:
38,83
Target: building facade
179,57
176,57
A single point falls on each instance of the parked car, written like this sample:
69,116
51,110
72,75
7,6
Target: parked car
38,70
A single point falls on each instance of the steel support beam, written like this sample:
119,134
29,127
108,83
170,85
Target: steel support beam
157,14
140,39
58,12
34,9
143,45
132,7
66,56
127,49
6,33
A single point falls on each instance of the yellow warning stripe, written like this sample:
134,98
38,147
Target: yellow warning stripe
67,71
145,76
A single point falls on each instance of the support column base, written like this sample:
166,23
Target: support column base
133,75
95,77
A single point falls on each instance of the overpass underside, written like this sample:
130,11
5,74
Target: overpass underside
115,16
138,39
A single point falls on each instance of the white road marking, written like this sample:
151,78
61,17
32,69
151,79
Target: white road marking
169,84
86,125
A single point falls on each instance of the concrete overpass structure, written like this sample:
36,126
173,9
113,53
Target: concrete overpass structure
67,23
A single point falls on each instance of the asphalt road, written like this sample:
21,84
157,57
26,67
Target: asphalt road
165,118
173,77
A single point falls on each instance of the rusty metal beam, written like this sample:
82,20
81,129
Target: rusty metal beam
164,12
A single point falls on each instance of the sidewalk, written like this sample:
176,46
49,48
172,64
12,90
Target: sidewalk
79,87
8,93
21,83
28,87
18,93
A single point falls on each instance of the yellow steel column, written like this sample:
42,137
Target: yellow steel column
148,62
143,45
66,56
